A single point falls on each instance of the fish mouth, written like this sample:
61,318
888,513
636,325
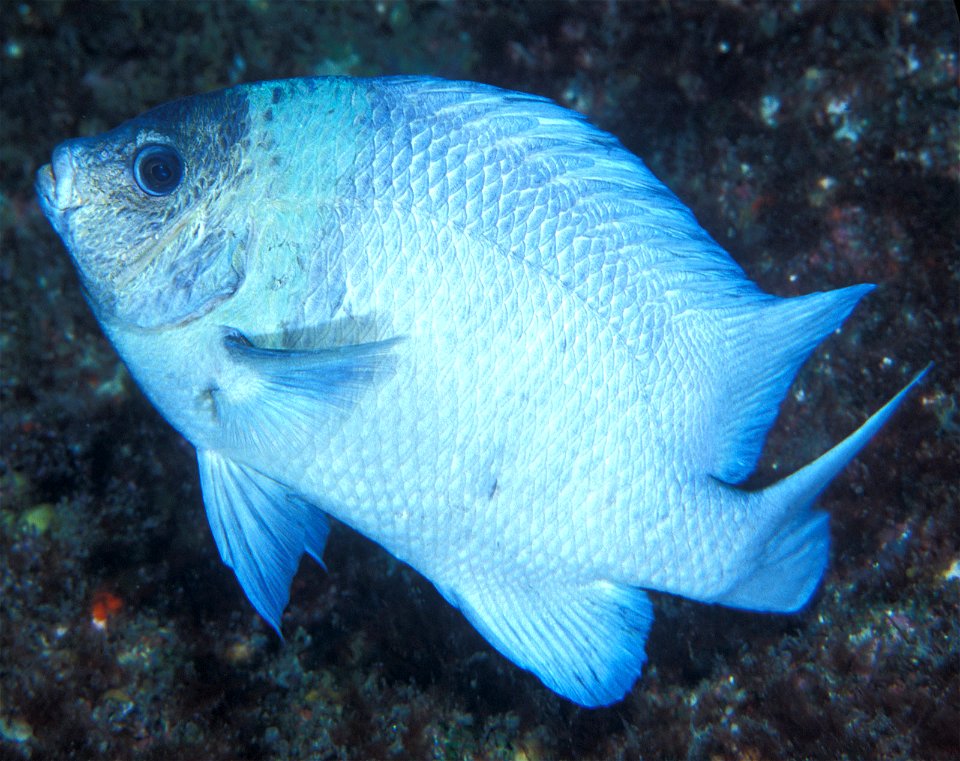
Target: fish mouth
55,183
46,186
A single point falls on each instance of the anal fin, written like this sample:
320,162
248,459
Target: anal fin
584,641
261,530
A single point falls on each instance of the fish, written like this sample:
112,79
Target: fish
471,326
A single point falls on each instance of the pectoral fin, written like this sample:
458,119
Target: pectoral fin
281,396
260,528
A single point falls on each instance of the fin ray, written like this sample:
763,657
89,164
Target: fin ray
766,343
261,530
585,642
288,393
789,557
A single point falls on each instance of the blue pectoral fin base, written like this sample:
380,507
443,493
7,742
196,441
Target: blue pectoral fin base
260,528
787,567
585,642
290,393
333,377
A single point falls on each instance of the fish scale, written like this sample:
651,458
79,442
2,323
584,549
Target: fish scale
474,328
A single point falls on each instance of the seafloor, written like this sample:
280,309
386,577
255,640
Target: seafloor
818,141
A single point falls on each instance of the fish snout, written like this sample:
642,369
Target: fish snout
56,180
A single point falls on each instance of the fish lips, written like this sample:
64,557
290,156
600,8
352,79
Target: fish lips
46,188
55,187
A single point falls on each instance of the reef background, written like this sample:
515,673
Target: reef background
817,141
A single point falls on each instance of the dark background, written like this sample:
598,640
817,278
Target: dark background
817,141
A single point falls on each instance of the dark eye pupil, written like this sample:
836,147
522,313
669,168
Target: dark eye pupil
158,169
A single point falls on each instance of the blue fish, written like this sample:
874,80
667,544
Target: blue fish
471,326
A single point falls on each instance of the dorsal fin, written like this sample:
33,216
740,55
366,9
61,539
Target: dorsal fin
765,341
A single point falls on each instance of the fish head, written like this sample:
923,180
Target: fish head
145,210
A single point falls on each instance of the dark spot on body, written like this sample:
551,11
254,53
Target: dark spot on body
268,115
276,94
493,489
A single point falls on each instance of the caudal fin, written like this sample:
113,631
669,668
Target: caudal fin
788,565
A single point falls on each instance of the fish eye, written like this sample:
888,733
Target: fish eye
158,169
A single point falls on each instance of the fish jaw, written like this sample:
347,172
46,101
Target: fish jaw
46,187
55,187
55,181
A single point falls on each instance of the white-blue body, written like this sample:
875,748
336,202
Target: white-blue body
478,331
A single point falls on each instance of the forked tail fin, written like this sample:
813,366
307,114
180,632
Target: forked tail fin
788,564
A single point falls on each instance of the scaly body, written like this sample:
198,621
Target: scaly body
478,331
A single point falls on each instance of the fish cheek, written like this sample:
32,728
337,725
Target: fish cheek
174,259
197,270
103,237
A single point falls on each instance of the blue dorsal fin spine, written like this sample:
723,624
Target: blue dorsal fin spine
765,342
261,530
784,570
